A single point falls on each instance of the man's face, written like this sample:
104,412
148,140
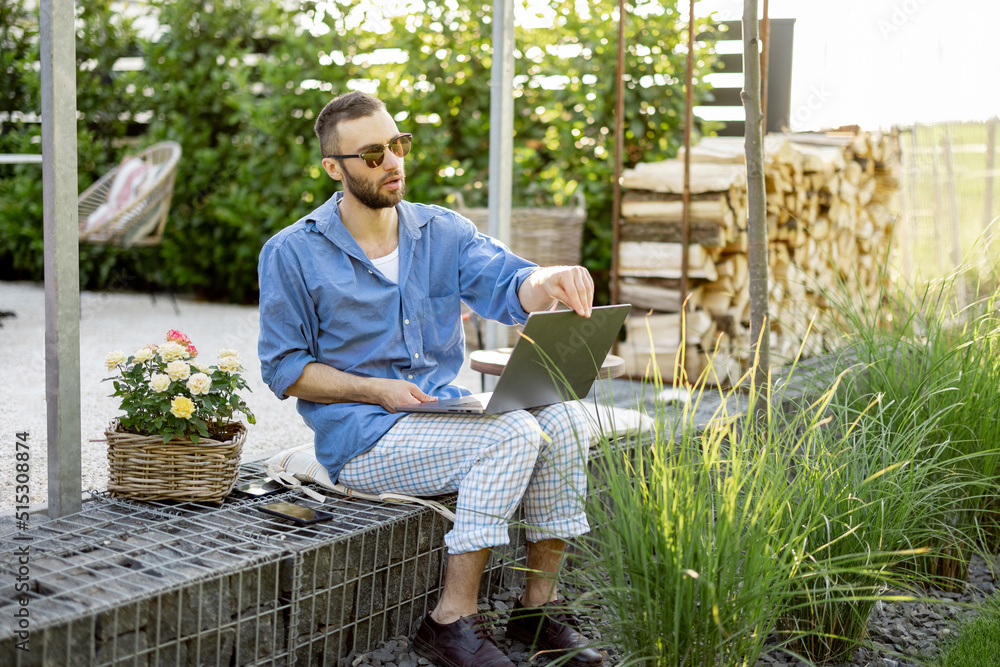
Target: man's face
374,187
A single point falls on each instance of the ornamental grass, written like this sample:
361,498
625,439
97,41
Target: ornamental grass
934,360
713,543
709,541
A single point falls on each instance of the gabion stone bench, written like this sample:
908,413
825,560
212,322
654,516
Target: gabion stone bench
124,582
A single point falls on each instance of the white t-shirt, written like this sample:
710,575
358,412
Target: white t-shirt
389,265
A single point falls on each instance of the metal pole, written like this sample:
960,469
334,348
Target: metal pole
686,191
616,191
62,254
501,139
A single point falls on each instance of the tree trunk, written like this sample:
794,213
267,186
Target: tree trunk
757,211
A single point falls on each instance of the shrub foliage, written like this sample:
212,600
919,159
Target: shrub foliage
238,84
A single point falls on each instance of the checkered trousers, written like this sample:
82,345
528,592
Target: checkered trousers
536,457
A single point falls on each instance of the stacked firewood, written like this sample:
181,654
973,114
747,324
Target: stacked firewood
832,201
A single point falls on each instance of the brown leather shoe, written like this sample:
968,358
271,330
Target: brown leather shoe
551,628
465,643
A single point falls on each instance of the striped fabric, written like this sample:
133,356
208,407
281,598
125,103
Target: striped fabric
537,458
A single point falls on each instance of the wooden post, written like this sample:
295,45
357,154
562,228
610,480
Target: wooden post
756,207
765,40
956,228
902,230
938,203
914,221
991,149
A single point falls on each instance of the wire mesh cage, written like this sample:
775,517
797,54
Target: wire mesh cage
188,583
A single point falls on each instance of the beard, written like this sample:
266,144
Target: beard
368,193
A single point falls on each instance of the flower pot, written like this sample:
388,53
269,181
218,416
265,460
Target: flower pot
142,467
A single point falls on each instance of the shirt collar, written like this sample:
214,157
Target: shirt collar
328,222
411,219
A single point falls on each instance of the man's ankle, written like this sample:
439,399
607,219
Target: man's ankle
446,615
527,600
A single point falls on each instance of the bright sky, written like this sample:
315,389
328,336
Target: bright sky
883,62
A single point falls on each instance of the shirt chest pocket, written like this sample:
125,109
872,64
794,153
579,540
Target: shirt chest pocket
442,322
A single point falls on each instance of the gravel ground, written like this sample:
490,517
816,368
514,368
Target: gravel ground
900,634
122,321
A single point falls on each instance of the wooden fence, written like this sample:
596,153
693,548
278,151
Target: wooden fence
951,197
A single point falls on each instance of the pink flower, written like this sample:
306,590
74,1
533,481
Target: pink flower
182,339
178,337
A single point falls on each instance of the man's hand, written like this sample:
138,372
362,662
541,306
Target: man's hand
391,394
572,285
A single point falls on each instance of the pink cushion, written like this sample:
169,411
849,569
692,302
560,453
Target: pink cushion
124,189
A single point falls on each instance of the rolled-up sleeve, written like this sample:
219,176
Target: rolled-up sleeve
288,321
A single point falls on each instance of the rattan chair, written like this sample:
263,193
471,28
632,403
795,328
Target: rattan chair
141,221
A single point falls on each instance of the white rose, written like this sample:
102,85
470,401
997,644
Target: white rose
171,351
231,364
228,352
159,382
178,370
202,367
113,359
143,354
199,383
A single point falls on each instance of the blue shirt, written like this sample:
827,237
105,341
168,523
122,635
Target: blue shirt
323,300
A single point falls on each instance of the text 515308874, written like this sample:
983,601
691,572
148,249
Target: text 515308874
22,569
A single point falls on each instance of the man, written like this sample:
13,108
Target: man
360,314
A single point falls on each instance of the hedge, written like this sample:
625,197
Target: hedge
238,85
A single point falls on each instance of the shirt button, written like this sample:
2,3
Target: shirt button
369,270
406,321
409,377
416,356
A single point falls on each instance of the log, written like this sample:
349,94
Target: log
663,260
663,330
703,233
643,362
832,201
651,293
668,176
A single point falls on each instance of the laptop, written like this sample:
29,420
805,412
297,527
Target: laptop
556,358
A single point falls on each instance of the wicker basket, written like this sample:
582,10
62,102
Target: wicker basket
549,236
142,467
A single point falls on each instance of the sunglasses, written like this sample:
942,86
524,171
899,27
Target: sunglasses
375,155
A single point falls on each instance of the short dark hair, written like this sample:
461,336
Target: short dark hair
348,106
